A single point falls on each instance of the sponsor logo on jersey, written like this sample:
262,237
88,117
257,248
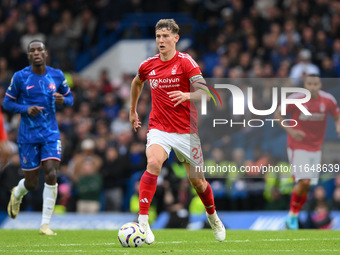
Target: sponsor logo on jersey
322,107
314,117
152,72
29,87
154,83
51,87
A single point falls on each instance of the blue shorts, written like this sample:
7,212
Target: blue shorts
31,154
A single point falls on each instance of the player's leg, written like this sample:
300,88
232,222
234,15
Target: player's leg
188,150
304,178
156,155
297,200
50,157
30,163
205,193
50,193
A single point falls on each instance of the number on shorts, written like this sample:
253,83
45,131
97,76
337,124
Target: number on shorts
197,152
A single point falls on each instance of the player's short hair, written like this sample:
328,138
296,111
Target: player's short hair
33,41
169,24
313,75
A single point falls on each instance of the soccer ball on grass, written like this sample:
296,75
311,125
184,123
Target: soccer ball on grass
131,234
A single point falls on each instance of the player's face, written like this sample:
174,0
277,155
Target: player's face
166,41
313,84
37,53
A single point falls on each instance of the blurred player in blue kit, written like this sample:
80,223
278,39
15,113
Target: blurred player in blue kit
34,92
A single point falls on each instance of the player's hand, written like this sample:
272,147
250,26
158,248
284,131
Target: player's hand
338,130
178,96
34,110
298,135
59,98
134,120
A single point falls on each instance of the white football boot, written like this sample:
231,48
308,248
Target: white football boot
45,230
217,226
143,220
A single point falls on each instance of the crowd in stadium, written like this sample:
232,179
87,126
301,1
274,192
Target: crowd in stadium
102,158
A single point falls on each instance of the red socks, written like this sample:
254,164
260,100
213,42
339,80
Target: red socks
147,189
296,202
207,199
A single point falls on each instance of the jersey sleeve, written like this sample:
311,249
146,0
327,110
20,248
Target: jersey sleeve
141,71
13,88
333,107
64,89
192,69
11,96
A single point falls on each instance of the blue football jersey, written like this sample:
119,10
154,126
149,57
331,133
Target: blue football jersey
28,89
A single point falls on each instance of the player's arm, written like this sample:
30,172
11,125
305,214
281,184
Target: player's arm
337,124
136,89
196,96
200,89
10,100
61,99
11,105
294,133
64,95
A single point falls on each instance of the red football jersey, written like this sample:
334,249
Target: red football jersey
3,133
166,76
314,125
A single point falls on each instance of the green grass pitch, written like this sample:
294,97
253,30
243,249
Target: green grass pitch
175,241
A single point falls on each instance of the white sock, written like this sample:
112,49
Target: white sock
49,197
20,190
143,218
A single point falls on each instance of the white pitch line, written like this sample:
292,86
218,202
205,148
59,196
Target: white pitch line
42,251
182,242
176,250
299,239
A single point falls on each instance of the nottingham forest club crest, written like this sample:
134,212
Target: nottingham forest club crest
174,70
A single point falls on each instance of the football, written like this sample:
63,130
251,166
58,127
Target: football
131,234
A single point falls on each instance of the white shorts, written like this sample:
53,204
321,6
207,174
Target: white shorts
186,146
304,164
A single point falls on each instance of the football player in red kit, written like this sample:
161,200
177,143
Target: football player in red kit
172,76
5,148
304,141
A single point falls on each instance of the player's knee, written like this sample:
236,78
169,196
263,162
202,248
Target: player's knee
31,183
51,176
199,184
154,165
305,184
